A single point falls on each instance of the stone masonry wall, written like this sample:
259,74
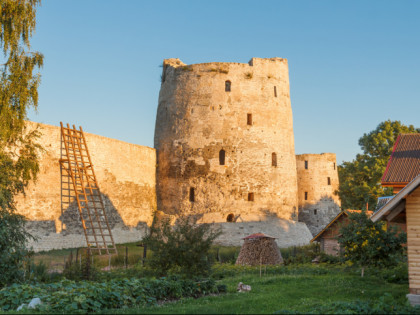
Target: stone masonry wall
206,108
317,182
126,177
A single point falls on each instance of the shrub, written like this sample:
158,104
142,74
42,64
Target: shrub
223,254
37,272
330,259
300,254
13,252
397,274
181,249
84,270
369,243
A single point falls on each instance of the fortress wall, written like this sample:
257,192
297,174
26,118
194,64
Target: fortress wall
126,177
321,204
197,118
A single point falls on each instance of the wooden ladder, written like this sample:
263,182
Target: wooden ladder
78,181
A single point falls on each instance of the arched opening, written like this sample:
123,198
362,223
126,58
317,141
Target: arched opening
222,155
230,217
192,194
228,85
274,159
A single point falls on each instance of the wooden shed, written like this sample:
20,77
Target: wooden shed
405,206
259,249
328,236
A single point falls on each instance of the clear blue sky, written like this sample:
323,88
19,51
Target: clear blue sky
352,64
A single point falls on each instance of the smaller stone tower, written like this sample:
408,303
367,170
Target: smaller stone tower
317,181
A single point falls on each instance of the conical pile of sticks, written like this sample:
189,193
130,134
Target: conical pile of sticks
259,249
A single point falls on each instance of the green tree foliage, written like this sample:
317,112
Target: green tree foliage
367,243
360,179
18,147
182,248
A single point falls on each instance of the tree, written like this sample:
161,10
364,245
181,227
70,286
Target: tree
367,243
360,179
18,148
182,248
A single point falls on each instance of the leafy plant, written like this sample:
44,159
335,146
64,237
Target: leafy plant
85,296
18,147
300,254
369,243
83,270
182,248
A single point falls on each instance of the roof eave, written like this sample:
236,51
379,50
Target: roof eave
394,202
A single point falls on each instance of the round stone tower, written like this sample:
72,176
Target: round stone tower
317,182
224,140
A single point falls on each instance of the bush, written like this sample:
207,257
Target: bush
13,252
300,254
223,254
180,249
397,274
84,270
330,259
369,243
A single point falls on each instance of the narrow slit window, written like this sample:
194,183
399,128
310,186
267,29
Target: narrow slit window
192,194
306,195
329,180
228,85
274,159
306,165
251,196
222,155
334,166
275,91
249,119
315,211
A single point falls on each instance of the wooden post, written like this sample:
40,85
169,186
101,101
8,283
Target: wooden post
144,253
126,257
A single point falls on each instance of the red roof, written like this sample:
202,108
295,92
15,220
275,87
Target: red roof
404,163
257,235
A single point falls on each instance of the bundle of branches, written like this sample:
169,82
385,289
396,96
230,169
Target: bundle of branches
259,249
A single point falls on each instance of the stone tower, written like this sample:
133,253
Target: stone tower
317,182
224,140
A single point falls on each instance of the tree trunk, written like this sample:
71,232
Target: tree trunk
363,271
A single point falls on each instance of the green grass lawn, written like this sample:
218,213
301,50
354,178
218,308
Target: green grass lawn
301,293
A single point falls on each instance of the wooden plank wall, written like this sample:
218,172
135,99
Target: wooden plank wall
413,240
